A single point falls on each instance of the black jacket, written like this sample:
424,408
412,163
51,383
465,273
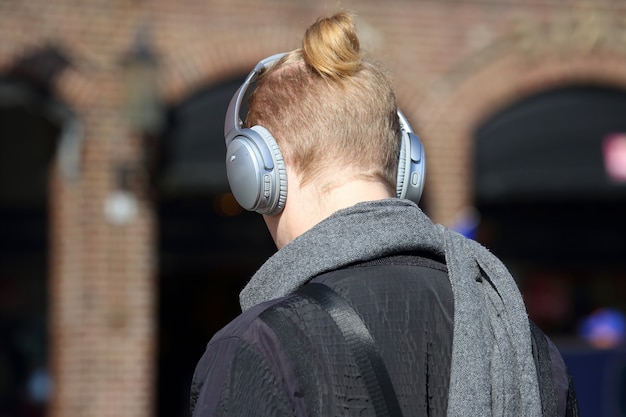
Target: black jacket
285,357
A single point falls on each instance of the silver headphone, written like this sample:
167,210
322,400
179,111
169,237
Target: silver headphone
256,169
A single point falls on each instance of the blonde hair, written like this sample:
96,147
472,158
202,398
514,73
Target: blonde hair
329,106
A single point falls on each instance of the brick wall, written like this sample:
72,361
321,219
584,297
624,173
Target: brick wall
454,63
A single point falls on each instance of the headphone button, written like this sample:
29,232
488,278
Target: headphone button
266,185
415,178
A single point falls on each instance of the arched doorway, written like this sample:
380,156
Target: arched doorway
31,125
208,246
550,187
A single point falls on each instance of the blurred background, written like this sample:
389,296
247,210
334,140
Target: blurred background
122,250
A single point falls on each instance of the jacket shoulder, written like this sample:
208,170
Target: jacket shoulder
243,371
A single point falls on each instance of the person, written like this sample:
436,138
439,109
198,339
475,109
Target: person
367,308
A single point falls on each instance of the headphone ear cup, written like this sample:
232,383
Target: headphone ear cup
277,195
411,168
256,171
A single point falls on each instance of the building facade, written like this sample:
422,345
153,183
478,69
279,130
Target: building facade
129,226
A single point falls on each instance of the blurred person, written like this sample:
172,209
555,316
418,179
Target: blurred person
367,308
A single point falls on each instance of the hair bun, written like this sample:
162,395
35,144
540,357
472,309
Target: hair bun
331,46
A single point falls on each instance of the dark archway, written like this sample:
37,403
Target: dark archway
550,184
208,246
31,128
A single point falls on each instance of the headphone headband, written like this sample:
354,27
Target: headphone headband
233,123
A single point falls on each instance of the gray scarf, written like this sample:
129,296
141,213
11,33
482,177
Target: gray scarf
492,372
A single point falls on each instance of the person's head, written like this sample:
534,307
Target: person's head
322,133
331,110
